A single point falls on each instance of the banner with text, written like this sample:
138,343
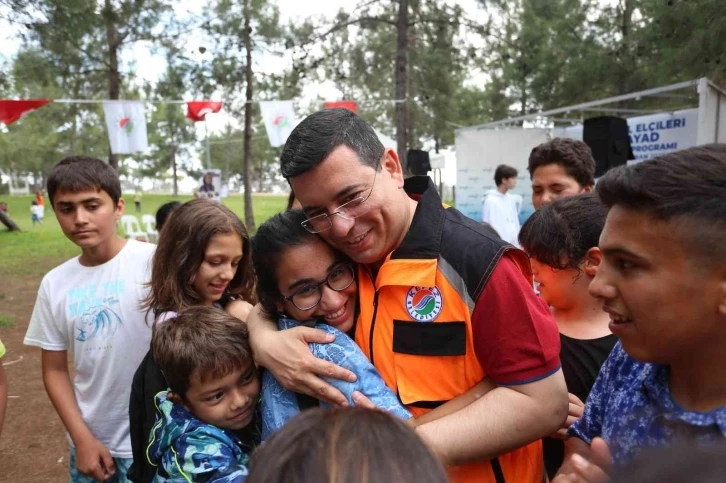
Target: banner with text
655,134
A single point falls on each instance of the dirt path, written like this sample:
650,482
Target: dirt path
33,447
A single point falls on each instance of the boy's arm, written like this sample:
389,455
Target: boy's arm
287,355
92,457
3,395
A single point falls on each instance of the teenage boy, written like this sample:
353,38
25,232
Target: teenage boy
206,425
500,208
443,305
662,279
560,168
90,306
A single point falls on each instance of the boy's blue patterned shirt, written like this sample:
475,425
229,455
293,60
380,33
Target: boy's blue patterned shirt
185,449
631,408
280,405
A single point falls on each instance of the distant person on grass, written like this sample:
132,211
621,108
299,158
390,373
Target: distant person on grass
90,305
41,202
35,213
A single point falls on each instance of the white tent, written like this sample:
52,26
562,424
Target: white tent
653,132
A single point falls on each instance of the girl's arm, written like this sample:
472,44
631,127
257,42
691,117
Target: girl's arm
239,308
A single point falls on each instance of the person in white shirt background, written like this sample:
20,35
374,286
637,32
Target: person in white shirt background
501,208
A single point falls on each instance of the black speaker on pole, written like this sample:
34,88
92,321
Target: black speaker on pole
608,139
418,161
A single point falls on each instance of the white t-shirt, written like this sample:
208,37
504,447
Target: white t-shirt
500,211
94,312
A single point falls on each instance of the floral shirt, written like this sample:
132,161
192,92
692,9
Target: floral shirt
631,408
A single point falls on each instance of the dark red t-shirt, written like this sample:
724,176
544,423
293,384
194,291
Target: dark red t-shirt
516,339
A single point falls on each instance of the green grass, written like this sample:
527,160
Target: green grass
30,251
6,321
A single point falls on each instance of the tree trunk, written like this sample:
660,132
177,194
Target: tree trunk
410,88
173,171
401,83
7,221
249,214
627,61
114,80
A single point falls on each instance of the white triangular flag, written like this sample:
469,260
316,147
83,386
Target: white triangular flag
126,125
279,118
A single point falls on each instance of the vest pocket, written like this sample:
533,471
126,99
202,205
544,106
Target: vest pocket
429,358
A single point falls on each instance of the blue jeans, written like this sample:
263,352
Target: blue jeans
122,468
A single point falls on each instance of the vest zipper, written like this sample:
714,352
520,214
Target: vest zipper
373,323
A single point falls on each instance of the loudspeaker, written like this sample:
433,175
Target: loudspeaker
418,161
608,139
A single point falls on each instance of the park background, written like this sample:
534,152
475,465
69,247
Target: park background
448,63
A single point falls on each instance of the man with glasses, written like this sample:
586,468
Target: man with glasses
443,305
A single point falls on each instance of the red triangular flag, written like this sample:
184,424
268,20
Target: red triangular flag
196,110
350,105
11,111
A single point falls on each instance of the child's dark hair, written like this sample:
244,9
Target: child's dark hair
504,172
687,186
347,445
180,252
573,155
34,203
80,173
162,214
560,234
203,339
275,236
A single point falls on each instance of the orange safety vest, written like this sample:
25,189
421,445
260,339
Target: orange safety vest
415,322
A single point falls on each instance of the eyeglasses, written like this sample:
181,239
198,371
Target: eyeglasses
348,211
308,296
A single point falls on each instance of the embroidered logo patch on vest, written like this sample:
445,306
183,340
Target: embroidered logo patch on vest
423,303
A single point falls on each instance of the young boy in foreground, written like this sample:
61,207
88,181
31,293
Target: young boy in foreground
663,282
90,305
207,422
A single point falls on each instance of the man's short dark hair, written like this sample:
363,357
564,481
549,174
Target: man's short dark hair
203,339
504,172
573,155
321,133
81,173
687,187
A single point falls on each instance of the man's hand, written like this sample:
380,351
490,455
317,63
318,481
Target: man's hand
576,408
594,468
287,356
93,459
